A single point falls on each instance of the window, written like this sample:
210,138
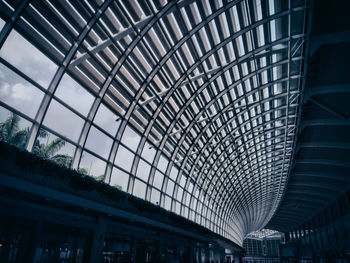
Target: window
107,120
170,187
179,194
148,152
98,142
2,23
183,181
63,121
155,195
162,163
173,173
167,202
139,189
74,95
130,138
91,165
119,179
18,134
24,56
19,93
158,180
56,149
143,170
124,158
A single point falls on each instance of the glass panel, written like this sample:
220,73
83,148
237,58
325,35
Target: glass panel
190,187
173,173
158,180
130,138
162,164
74,95
167,202
139,189
183,181
188,198
13,129
99,142
2,23
119,179
24,56
186,212
124,158
177,208
107,120
155,195
56,149
179,194
63,121
170,187
143,170
92,165
148,152
19,93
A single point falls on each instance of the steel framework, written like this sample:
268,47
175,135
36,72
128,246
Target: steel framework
204,94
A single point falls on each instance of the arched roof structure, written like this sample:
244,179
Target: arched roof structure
192,105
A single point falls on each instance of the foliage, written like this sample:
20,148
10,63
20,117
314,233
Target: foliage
83,171
64,160
119,187
10,132
20,163
101,177
48,151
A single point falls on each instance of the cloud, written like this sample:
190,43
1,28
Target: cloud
2,74
22,97
5,89
23,55
22,92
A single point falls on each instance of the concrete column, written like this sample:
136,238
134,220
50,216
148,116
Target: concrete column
97,242
33,242
309,233
133,250
192,252
160,247
344,232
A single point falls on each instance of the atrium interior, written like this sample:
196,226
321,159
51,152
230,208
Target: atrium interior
174,131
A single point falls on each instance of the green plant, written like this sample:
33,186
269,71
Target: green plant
10,132
119,187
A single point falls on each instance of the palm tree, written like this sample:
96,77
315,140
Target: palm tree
10,132
48,151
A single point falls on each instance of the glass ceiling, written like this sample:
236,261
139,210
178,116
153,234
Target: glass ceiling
191,105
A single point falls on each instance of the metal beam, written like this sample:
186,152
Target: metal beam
331,175
317,194
317,185
327,108
327,89
194,78
327,39
323,162
324,122
118,36
109,41
331,145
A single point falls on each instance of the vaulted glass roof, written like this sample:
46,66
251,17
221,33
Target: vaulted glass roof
191,105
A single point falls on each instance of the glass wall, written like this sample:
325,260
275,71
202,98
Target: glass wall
189,105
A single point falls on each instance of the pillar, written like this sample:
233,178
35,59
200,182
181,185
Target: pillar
97,241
